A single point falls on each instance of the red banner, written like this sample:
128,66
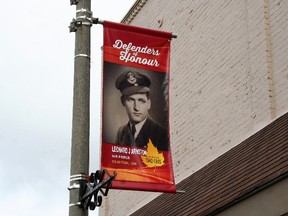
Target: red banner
135,121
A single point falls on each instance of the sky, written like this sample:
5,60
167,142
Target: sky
36,93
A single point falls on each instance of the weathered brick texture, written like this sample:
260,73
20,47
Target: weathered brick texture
219,87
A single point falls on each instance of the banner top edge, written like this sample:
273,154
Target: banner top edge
142,30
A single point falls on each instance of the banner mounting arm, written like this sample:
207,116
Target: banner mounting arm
99,21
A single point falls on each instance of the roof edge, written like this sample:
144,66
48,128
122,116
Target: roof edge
134,10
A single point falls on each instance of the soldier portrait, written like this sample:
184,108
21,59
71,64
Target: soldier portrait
135,107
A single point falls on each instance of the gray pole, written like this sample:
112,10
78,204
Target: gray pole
81,102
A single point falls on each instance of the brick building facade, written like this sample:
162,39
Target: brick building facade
228,108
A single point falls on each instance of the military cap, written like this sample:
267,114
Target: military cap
132,82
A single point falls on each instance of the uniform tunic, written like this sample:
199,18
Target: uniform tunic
150,130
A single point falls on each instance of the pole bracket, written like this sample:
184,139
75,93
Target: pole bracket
79,21
77,182
74,25
74,2
90,198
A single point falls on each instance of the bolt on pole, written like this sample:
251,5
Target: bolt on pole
81,107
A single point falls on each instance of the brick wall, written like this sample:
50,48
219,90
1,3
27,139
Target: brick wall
279,41
229,79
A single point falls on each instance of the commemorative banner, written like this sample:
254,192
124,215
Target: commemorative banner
135,112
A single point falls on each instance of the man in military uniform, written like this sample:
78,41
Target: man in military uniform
135,90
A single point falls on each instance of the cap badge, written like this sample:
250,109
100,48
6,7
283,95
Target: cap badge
131,78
